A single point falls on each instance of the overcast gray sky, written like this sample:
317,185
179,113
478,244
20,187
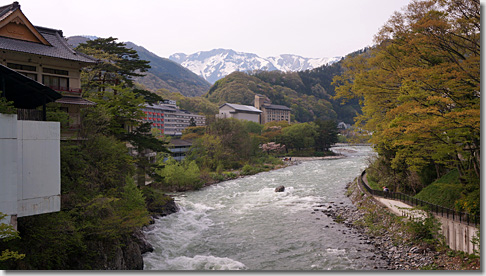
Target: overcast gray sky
309,28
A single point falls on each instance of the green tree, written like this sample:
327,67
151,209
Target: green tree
117,63
180,176
327,135
7,233
208,151
109,83
420,88
298,136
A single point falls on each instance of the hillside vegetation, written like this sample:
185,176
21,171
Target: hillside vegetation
445,191
309,93
165,73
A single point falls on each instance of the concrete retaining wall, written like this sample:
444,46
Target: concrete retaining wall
458,236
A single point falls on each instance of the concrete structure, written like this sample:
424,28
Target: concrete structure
43,55
271,112
169,119
179,148
458,236
30,167
263,111
241,112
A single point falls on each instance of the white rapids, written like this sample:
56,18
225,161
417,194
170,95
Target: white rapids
244,224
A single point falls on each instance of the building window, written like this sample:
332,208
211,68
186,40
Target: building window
22,67
56,71
57,83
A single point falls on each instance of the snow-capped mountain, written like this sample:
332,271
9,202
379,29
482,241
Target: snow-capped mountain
216,64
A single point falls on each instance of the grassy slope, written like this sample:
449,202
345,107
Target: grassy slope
444,191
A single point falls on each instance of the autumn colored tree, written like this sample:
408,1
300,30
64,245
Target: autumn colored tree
420,88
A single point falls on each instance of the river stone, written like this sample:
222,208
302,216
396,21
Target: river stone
279,189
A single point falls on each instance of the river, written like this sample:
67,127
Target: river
243,224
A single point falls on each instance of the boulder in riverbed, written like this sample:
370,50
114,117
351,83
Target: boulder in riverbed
279,189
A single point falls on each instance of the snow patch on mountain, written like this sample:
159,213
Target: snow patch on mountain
218,63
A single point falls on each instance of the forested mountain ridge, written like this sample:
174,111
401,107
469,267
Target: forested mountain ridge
163,74
309,93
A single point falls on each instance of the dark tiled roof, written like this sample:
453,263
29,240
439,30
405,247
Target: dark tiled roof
180,143
74,100
275,106
59,48
7,8
24,92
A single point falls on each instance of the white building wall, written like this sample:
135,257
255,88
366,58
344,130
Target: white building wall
228,112
30,166
8,166
248,116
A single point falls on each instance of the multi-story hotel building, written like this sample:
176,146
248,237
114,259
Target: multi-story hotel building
43,55
171,120
271,112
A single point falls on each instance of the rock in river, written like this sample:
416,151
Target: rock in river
279,189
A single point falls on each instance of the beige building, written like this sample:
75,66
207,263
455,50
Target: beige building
271,112
263,111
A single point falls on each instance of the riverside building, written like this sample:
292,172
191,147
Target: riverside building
170,119
43,55
262,112
37,68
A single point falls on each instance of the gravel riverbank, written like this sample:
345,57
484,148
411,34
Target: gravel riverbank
391,240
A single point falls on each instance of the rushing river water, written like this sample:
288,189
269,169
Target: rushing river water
245,224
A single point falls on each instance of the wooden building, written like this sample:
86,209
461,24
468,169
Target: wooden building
43,55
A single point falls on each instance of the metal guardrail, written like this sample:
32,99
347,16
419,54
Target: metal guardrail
436,209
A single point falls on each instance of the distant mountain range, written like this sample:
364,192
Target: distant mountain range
163,74
218,63
192,75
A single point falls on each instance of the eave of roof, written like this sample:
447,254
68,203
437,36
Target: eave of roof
59,49
74,100
52,41
23,91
